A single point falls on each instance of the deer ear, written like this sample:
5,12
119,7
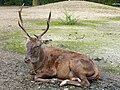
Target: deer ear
46,41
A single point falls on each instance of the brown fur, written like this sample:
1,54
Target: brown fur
59,63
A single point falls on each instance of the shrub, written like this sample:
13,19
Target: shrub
69,19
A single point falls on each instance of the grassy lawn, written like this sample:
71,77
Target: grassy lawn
86,36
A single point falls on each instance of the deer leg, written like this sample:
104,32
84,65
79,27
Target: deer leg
54,80
70,82
76,79
40,79
44,80
80,73
46,75
84,81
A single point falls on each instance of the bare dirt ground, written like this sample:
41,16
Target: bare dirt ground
14,73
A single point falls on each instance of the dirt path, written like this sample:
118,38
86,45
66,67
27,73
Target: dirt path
14,72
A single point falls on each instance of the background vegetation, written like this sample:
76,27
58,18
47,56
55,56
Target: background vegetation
27,2
41,2
107,2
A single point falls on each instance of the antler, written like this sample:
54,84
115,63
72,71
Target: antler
48,24
21,21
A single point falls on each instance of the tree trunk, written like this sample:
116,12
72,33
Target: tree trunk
35,2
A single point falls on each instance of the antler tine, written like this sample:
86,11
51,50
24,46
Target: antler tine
48,22
21,25
20,14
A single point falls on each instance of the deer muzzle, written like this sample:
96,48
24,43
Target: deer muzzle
27,59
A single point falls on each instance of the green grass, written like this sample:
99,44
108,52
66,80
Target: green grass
94,21
15,46
112,69
78,46
14,41
58,22
114,18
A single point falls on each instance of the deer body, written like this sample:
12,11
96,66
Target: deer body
49,62
62,62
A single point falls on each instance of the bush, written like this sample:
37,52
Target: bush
69,19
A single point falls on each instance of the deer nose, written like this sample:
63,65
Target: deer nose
27,60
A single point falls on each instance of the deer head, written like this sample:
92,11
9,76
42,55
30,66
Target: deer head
33,44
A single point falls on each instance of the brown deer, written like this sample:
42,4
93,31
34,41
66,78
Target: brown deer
49,62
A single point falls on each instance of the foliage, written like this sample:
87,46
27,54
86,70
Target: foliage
27,2
17,2
41,2
10,2
116,4
1,2
107,2
69,19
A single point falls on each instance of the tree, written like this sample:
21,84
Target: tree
1,2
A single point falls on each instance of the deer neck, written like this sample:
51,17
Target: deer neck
39,60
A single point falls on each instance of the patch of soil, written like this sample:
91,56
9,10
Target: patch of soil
14,76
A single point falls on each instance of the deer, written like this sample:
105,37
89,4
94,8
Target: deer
48,62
